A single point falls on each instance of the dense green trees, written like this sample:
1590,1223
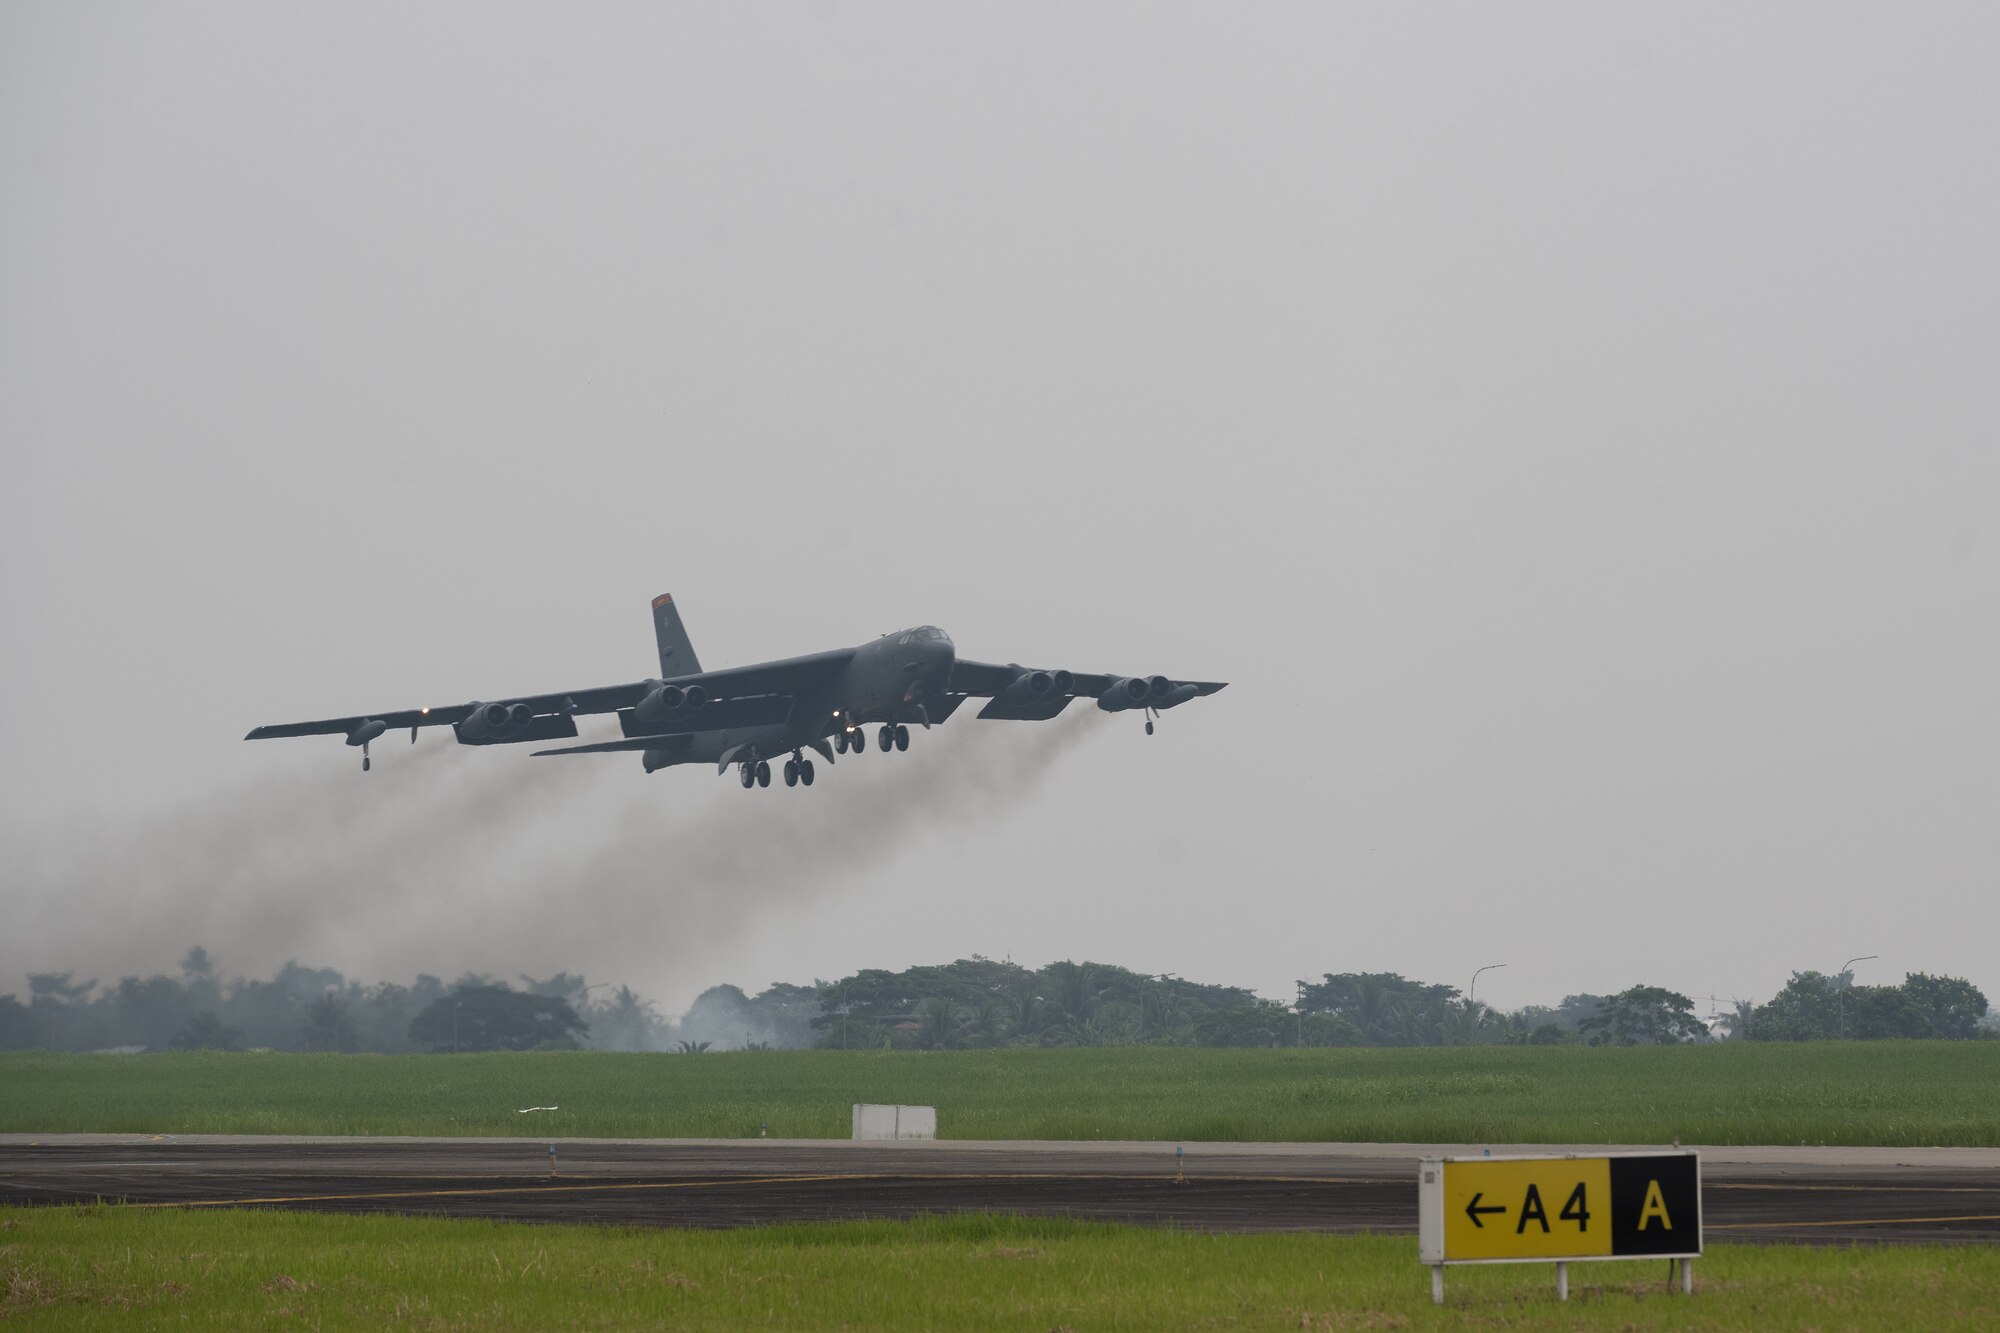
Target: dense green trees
973,1002
495,1018
1814,1007
978,1002
1643,1016
1385,1009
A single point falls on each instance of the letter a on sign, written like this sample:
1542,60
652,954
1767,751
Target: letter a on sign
1656,1204
1532,1211
1654,1209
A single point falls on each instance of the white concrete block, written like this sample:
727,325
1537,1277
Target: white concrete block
916,1122
880,1121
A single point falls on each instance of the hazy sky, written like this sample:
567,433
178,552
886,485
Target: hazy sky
1571,429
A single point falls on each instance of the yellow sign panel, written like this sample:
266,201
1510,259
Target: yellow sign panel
1528,1209
1500,1209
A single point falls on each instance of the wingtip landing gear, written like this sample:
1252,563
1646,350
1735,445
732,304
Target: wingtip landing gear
366,763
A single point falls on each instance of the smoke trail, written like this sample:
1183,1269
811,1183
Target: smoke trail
302,866
665,883
446,859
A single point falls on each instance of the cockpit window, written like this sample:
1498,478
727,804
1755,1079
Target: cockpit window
925,634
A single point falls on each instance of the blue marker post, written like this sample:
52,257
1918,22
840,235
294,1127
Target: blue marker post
1179,1177
552,1161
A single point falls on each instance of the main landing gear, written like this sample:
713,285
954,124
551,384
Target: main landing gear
757,772
853,740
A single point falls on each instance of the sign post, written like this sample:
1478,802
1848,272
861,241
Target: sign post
1512,1210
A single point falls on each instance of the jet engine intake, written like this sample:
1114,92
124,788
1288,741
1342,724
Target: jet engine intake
491,723
666,702
1131,692
1031,687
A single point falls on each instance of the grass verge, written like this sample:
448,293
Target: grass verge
100,1266
1901,1094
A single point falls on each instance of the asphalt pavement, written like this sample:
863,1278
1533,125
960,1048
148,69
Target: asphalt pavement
1819,1195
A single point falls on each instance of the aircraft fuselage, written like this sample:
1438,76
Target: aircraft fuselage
899,678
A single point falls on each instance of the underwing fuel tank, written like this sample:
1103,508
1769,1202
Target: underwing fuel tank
367,731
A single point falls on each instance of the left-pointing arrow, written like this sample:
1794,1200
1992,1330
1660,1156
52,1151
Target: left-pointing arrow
1473,1210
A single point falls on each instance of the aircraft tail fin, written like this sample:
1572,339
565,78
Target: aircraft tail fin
676,653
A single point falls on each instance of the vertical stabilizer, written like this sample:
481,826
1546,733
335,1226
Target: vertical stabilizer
676,653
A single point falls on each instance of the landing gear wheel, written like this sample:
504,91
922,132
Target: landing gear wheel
806,772
887,738
902,737
840,742
748,774
763,773
1149,726
365,762
791,772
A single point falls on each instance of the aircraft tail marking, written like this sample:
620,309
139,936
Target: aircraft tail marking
676,653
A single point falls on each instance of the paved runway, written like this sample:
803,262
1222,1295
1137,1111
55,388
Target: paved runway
1824,1195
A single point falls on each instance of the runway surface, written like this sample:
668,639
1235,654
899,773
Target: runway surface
1823,1195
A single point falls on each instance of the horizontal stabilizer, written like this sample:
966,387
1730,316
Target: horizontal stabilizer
606,747
1038,710
549,727
757,710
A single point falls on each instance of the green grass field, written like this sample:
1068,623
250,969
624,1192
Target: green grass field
1878,1093
98,1267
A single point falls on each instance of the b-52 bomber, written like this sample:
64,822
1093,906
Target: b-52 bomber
749,716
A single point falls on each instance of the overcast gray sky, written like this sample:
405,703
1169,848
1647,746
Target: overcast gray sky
1571,428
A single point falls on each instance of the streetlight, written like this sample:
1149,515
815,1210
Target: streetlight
1840,997
1473,990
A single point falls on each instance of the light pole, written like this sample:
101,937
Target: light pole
1840,999
1472,991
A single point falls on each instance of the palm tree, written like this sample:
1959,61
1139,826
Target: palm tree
940,1022
627,1022
1076,991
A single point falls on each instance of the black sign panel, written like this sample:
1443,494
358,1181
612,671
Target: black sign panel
1655,1205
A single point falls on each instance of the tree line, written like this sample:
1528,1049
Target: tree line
968,1004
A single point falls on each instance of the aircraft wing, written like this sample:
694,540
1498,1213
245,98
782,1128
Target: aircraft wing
738,694
1021,693
604,700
